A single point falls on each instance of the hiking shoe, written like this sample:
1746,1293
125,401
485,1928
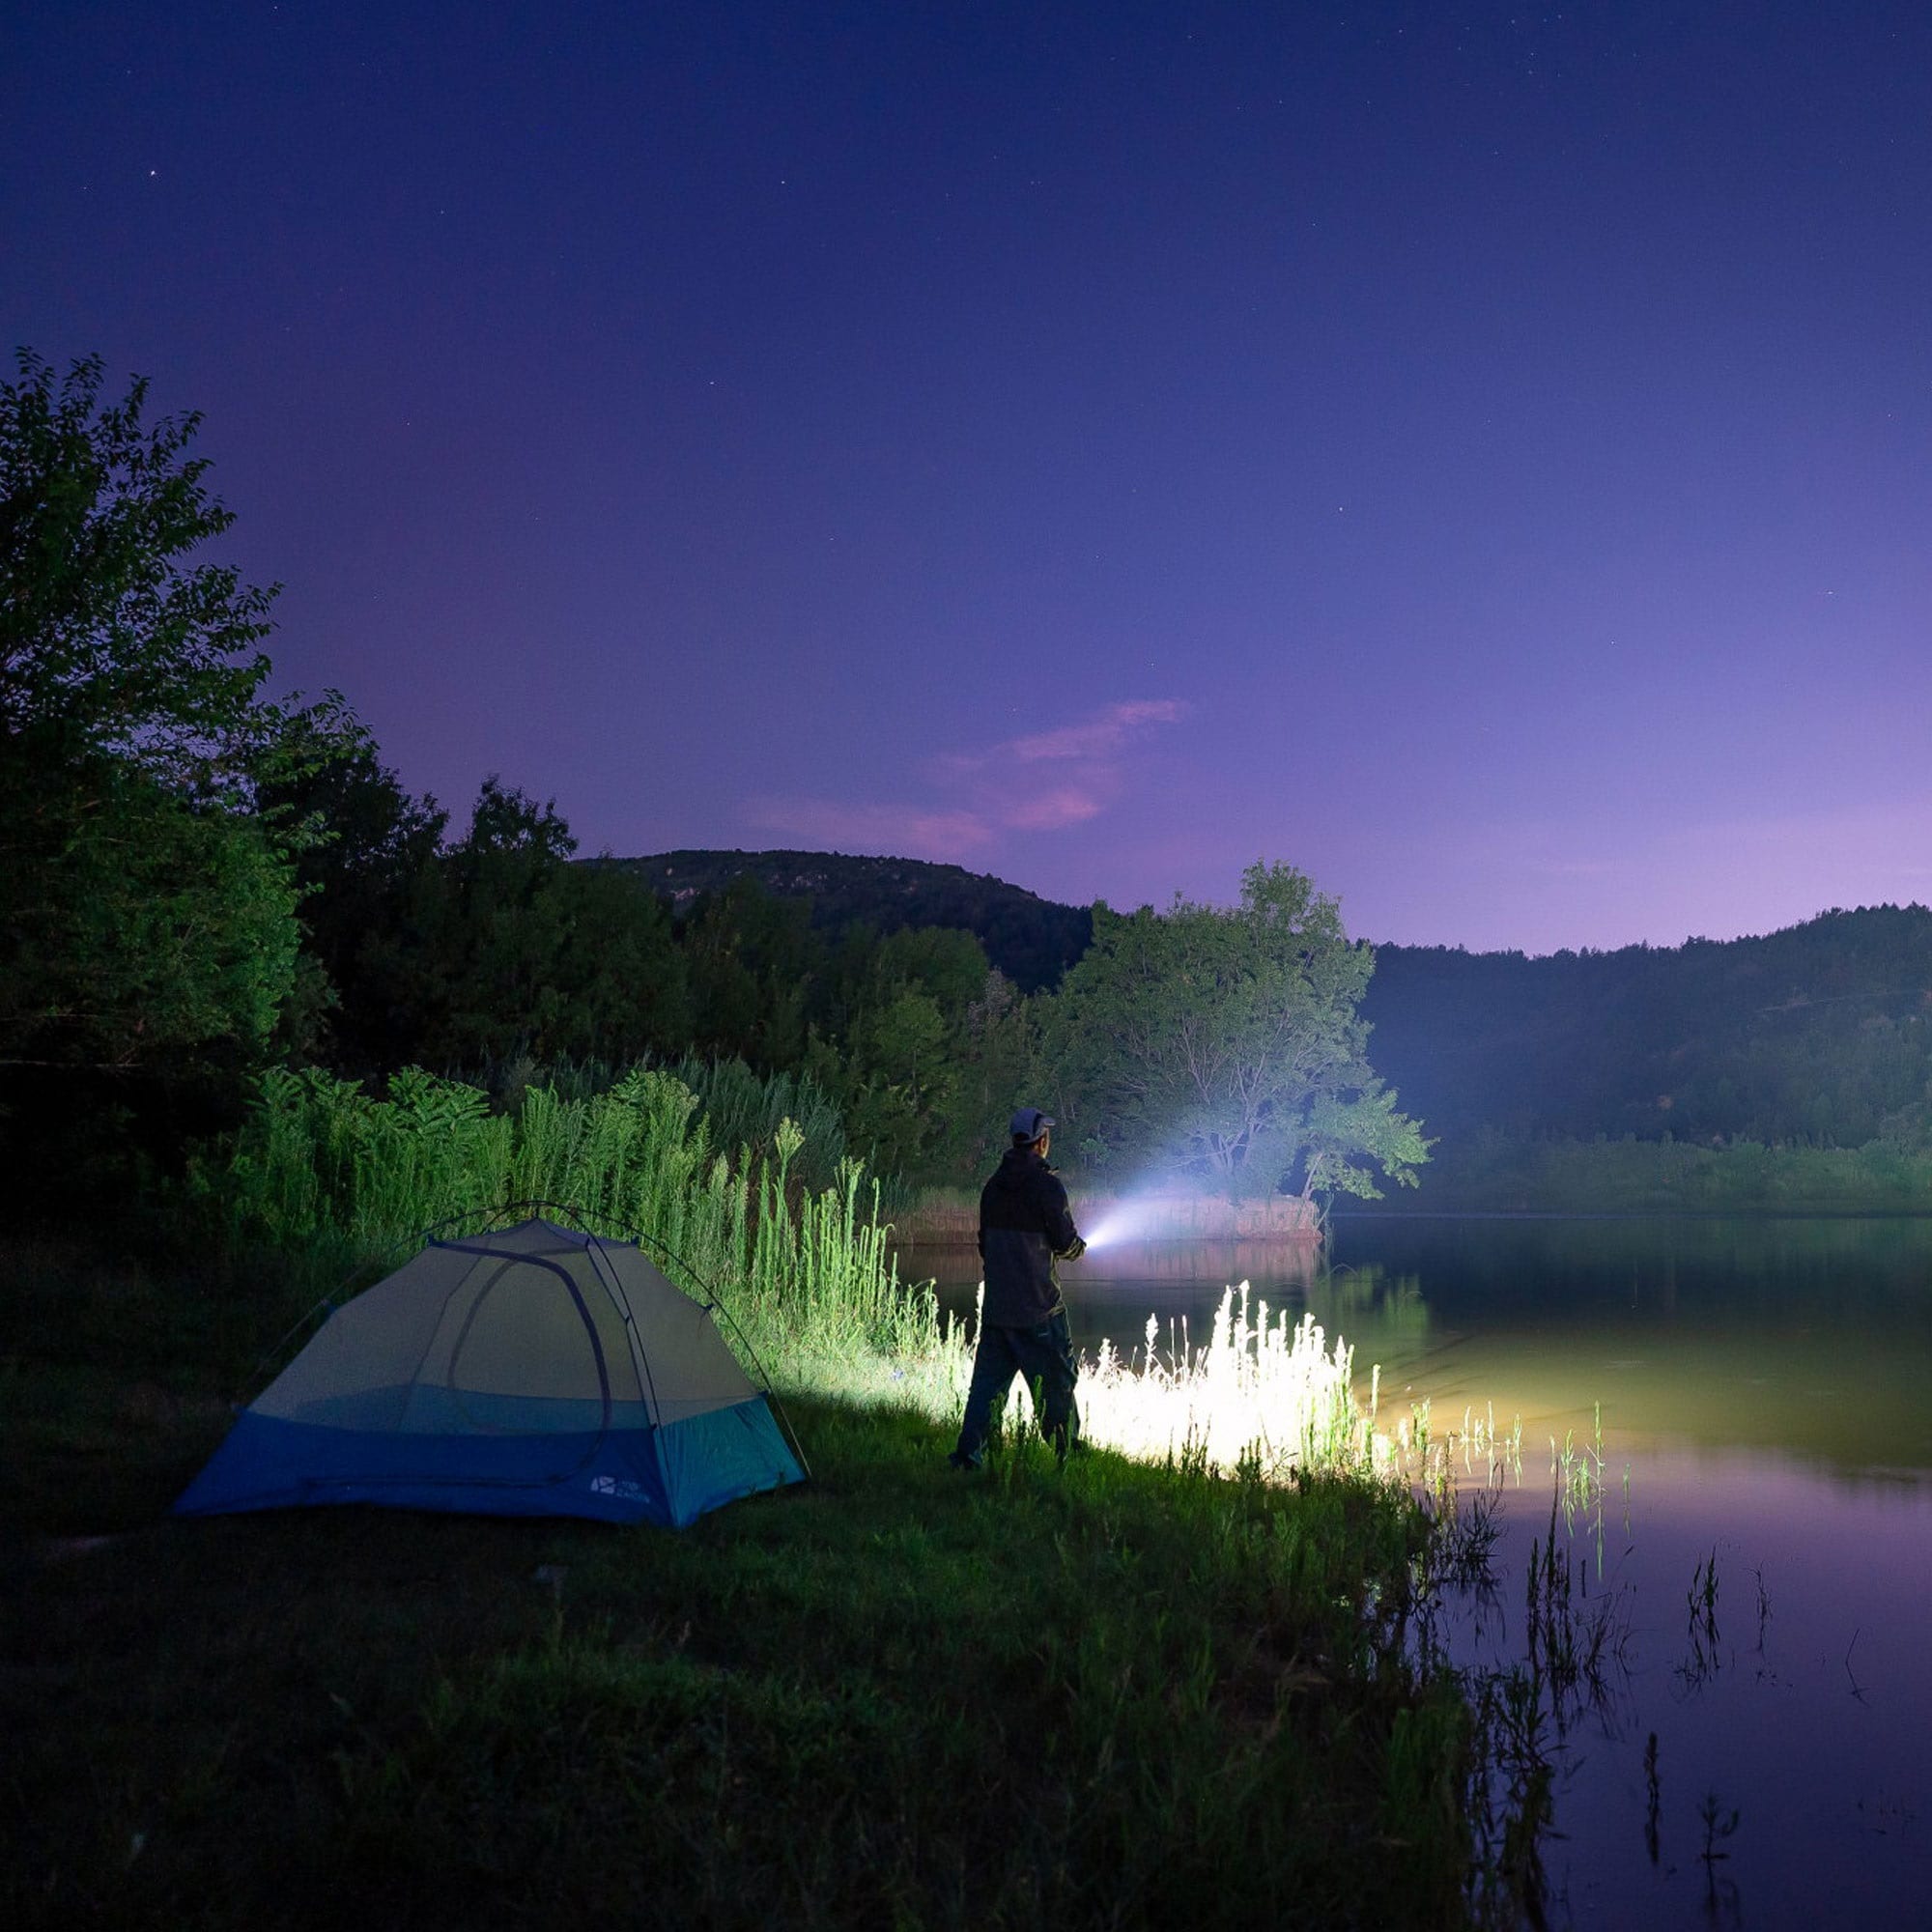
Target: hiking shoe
955,1461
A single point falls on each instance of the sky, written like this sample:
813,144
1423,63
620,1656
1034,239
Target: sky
1475,454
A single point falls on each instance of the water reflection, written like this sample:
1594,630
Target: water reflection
1812,1338
1761,1546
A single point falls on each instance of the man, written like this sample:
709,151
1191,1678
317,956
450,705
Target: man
1025,1227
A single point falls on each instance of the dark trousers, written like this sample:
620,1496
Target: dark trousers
1044,1356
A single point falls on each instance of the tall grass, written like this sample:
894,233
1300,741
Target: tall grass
806,1273
1264,1390
740,1109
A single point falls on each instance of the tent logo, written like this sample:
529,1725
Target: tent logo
613,1486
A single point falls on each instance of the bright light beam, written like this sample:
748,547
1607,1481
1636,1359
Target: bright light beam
1123,1221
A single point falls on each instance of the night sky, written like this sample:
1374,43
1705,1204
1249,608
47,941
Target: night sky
1476,454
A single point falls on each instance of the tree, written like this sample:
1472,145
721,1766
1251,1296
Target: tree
509,950
110,643
756,967
136,932
1225,1045
900,1061
147,912
362,847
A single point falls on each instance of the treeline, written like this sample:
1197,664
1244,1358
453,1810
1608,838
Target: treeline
201,884
1033,941
1816,1036
1819,1036
490,954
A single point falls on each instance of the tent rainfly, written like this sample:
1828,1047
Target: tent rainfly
531,1370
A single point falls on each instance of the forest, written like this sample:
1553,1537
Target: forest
200,883
205,884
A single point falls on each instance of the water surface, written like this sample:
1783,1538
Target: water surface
1765,1392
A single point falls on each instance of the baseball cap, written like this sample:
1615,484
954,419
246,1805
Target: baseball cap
1031,1123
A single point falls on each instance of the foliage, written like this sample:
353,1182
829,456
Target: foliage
135,929
1227,1044
148,911
754,965
808,1273
109,644
500,947
1560,1175
1031,940
740,1110
363,845
899,1068
1818,1035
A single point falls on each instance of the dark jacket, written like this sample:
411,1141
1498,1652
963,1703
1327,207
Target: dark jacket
1024,1224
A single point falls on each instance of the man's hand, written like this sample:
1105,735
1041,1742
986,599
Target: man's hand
1072,1254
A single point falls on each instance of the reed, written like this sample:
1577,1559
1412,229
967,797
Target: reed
1265,1390
805,1273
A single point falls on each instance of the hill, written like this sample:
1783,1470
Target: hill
1030,939
1820,1033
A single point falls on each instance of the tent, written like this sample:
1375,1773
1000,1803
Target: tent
533,1370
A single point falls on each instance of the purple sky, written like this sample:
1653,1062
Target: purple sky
1476,454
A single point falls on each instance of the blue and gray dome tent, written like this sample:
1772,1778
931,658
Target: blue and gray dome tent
529,1370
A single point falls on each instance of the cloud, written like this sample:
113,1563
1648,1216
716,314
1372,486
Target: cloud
894,830
1099,740
1067,804
1102,737
995,789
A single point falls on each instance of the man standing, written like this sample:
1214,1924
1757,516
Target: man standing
1025,1227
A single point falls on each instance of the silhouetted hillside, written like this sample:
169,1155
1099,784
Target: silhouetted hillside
1820,1033
1030,939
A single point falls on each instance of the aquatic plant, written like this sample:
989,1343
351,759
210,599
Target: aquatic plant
1267,1390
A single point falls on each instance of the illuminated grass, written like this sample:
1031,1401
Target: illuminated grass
1265,1390
1269,1393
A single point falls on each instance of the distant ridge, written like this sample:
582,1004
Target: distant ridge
1030,939
1819,1034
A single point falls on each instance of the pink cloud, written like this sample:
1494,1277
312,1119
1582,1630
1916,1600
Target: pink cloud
1095,741
995,797
1099,737
896,830
1051,810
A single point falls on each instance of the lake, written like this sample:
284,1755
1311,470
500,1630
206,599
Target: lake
1765,1393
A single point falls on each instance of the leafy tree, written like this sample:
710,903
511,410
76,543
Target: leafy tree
1226,1044
899,1066
509,950
363,847
998,1062
756,968
147,914
137,931
109,641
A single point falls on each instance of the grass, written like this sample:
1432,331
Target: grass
1098,1695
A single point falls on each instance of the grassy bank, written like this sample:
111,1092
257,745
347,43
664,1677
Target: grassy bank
1100,1696
1096,1695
